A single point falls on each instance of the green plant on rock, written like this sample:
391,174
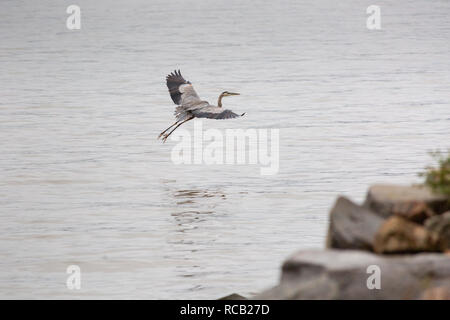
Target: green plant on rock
438,178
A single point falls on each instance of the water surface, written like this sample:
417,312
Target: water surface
84,181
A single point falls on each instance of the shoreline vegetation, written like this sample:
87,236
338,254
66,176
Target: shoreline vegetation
395,245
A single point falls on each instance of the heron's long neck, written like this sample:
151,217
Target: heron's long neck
219,102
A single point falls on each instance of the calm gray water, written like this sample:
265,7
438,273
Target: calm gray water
84,181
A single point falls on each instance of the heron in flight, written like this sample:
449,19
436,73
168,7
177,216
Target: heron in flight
190,106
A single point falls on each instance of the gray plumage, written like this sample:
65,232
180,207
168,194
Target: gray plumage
189,104
213,112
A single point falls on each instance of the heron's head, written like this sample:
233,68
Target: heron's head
227,94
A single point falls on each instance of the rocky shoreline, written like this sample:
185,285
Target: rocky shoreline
396,245
343,274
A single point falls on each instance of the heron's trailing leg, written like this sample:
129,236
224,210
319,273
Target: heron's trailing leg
168,134
166,129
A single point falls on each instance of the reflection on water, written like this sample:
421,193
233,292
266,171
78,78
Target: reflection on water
84,181
187,214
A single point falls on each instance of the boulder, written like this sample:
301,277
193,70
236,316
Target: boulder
415,203
398,235
345,274
352,226
438,293
441,226
233,296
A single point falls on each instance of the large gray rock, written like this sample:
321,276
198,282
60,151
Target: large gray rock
233,296
399,235
415,203
352,226
342,274
441,226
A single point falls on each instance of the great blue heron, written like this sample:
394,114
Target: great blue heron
190,105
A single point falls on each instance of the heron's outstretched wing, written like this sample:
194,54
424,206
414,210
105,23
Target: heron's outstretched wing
213,112
181,91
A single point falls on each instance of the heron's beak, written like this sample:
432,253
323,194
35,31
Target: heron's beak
233,93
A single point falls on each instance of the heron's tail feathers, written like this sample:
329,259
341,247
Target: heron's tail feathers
181,113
